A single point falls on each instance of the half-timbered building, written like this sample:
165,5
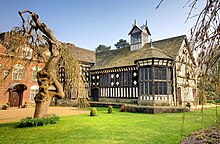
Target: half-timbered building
86,59
147,73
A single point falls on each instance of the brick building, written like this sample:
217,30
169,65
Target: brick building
18,77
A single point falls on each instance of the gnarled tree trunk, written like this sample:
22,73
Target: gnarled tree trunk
47,77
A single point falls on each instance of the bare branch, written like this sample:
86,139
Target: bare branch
159,4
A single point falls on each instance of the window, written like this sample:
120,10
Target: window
160,73
146,80
26,52
126,78
62,76
33,91
136,38
18,72
34,72
160,88
155,80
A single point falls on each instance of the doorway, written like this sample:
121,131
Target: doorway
14,99
95,94
16,94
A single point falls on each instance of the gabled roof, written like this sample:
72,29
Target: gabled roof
140,28
152,52
166,48
81,54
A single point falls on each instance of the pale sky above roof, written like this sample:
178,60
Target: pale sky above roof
88,23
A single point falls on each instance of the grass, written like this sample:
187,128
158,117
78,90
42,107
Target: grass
116,128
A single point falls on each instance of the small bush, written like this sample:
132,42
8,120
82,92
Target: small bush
93,112
217,101
110,109
33,122
211,101
123,108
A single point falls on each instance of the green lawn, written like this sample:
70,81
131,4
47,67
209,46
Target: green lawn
119,127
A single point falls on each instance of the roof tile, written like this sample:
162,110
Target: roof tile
166,48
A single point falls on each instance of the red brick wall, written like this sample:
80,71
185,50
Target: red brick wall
7,63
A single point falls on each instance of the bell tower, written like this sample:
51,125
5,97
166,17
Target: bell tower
138,36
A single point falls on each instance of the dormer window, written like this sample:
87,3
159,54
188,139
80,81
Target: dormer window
27,52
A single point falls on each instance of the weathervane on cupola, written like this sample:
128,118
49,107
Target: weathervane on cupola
138,36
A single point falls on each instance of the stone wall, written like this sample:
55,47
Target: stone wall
67,102
154,109
154,103
119,100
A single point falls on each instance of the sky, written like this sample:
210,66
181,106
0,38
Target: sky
89,23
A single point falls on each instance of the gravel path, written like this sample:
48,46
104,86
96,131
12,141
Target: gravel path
15,114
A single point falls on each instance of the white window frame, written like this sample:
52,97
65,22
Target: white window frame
18,72
26,52
33,91
35,69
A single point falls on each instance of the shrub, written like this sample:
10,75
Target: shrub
123,108
217,101
33,122
211,101
93,112
110,109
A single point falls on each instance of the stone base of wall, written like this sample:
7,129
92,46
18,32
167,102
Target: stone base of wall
105,104
153,103
154,109
141,109
119,100
64,102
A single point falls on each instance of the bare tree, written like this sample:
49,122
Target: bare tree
39,35
205,39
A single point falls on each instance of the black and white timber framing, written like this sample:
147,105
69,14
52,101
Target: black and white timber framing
116,83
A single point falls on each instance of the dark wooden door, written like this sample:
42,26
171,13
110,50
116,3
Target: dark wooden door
95,94
14,98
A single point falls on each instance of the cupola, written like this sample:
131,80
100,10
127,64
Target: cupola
138,36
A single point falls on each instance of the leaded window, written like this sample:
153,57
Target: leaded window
27,52
34,72
155,80
146,80
33,91
18,72
62,76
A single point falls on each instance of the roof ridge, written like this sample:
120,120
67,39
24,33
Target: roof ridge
112,50
167,39
78,47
